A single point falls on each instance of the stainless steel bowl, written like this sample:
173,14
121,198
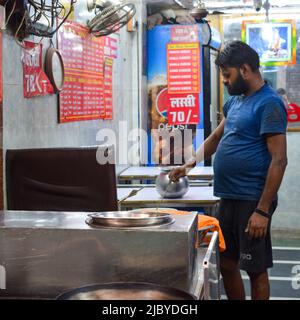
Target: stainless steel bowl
169,189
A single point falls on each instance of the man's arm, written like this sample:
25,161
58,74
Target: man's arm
205,151
257,225
277,149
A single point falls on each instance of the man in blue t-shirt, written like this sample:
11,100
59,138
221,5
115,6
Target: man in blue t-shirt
249,164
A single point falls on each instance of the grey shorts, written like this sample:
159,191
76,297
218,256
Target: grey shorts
253,255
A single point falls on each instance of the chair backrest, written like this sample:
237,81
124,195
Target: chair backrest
61,179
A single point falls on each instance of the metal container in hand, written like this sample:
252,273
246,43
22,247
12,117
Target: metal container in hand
169,189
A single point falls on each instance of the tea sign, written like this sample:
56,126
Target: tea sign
35,80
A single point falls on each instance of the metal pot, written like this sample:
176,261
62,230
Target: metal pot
126,291
169,189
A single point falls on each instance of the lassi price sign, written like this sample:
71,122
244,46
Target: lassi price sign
184,109
181,108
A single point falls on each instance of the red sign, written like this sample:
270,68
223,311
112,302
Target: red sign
35,80
111,47
181,108
83,95
1,80
184,33
293,112
183,60
108,87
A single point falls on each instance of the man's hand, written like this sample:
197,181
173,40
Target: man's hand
177,173
257,226
209,146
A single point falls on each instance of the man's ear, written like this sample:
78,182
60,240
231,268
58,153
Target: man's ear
245,70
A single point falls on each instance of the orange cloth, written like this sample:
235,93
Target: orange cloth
206,221
203,221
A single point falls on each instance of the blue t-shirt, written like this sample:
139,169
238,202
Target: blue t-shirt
242,158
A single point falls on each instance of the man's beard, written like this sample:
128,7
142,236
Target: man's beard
239,87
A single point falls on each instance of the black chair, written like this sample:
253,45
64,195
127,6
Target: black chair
60,179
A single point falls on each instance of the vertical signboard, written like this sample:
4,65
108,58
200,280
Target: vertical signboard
183,63
1,128
108,97
174,93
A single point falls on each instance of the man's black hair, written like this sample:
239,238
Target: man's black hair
237,53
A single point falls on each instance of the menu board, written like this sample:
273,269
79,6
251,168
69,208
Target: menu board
183,62
83,97
108,97
111,47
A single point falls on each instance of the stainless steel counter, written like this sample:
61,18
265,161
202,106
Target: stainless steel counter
46,253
